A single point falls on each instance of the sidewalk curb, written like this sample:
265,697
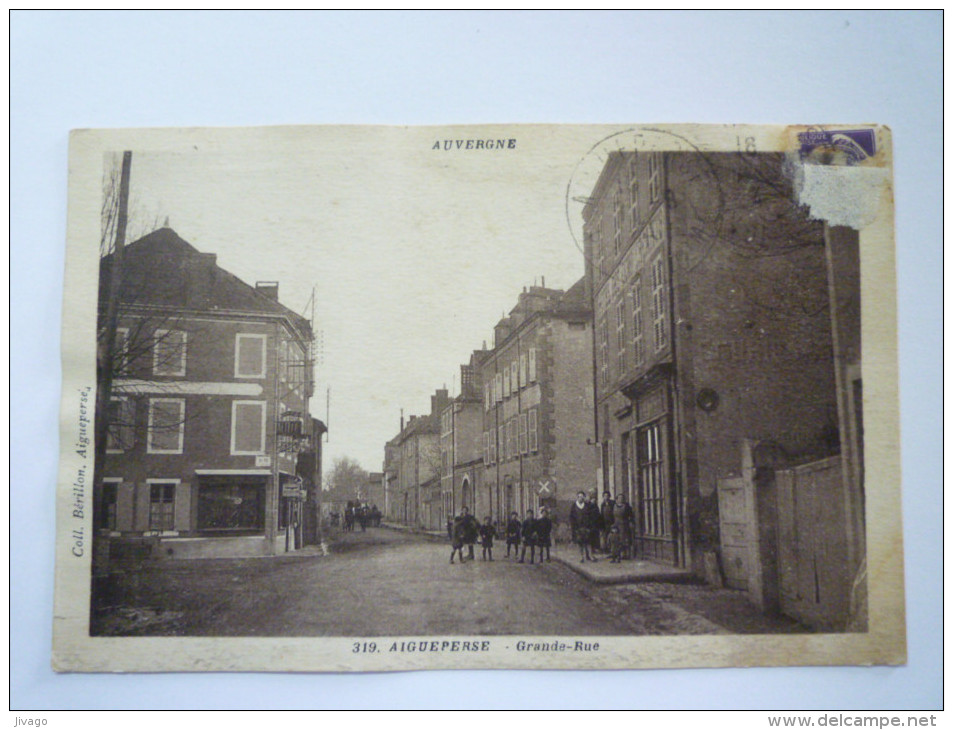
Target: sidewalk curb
660,577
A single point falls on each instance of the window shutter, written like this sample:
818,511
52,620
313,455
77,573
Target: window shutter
515,376
250,355
121,351
248,427
533,434
532,365
143,505
168,355
183,507
523,380
127,431
125,506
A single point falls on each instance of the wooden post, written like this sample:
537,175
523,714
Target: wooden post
105,356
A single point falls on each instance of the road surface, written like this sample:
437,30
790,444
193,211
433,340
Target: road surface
386,583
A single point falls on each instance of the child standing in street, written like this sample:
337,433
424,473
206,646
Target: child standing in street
513,534
457,533
614,544
529,537
487,533
544,531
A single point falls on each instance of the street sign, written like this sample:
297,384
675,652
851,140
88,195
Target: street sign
291,489
546,487
263,461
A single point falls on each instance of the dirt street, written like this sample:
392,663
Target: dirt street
383,582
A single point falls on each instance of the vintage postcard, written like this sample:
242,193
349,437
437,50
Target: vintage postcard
555,397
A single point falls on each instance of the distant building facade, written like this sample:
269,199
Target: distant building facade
211,451
712,331
411,472
373,491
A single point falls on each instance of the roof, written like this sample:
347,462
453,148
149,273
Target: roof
162,269
420,425
575,299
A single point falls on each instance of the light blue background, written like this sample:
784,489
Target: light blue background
88,69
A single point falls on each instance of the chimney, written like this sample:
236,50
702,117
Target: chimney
199,276
439,400
501,331
542,282
401,420
268,288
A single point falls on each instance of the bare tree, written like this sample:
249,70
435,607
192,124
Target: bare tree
139,221
346,480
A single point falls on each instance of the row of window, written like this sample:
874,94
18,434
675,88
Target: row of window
519,435
170,354
626,206
629,326
520,373
166,420
220,507
161,504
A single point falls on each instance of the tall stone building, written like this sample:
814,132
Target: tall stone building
712,338
537,405
461,435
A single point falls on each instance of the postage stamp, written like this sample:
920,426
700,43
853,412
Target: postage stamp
531,396
838,146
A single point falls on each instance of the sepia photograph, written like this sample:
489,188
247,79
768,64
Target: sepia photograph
491,396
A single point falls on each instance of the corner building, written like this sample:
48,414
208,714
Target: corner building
712,331
211,450
537,405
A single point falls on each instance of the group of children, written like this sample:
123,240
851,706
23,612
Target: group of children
531,533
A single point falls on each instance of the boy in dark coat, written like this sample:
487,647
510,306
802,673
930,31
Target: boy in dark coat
471,530
457,532
513,529
487,533
529,537
608,517
544,531
594,516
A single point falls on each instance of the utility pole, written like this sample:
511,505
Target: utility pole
105,355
